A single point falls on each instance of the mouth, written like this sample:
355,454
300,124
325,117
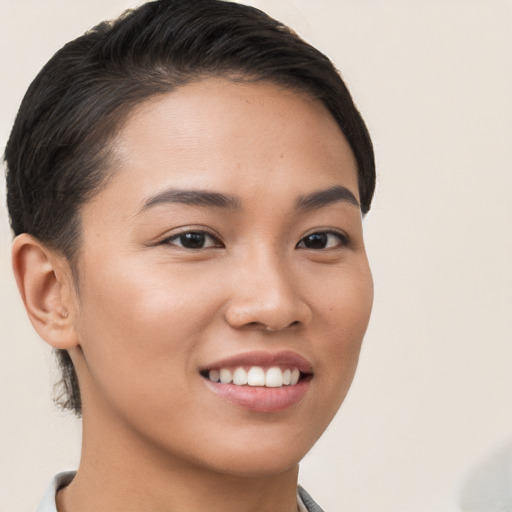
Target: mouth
256,376
260,381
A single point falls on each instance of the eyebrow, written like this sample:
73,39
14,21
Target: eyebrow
194,198
325,197
207,198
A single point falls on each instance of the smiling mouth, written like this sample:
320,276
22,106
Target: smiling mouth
257,376
259,381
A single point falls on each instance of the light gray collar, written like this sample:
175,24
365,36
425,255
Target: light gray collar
304,501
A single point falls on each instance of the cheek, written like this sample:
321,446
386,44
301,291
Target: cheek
125,298
139,333
344,301
343,311
353,307
141,325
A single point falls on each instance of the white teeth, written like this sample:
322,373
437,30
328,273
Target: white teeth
274,377
225,376
256,376
240,377
214,375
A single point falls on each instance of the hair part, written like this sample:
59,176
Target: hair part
59,152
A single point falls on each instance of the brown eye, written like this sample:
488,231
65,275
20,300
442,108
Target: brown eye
193,240
322,240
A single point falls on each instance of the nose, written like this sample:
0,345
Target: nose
266,295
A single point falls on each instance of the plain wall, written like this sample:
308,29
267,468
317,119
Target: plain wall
433,391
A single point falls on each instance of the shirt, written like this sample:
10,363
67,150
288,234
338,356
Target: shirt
304,501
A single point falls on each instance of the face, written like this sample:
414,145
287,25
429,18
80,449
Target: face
227,245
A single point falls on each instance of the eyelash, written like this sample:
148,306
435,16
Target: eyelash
343,240
205,234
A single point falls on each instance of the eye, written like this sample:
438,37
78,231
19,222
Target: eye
193,240
323,240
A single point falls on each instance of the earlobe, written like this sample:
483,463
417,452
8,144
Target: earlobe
46,289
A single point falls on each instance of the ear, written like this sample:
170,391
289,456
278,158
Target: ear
45,283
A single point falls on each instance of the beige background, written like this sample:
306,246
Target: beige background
434,389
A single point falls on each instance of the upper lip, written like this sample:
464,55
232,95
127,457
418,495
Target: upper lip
264,358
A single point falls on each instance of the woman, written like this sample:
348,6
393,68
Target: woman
186,187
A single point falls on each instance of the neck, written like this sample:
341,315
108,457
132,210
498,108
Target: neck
120,472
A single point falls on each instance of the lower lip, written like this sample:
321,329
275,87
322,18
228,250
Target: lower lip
261,399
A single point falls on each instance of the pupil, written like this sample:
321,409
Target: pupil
192,240
316,241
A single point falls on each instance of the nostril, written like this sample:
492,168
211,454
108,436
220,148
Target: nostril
268,328
295,323
267,313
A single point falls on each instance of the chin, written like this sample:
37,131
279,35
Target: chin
259,465
255,459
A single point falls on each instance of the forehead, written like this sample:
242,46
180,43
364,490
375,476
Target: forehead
243,138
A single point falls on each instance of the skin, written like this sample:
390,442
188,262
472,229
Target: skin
150,313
